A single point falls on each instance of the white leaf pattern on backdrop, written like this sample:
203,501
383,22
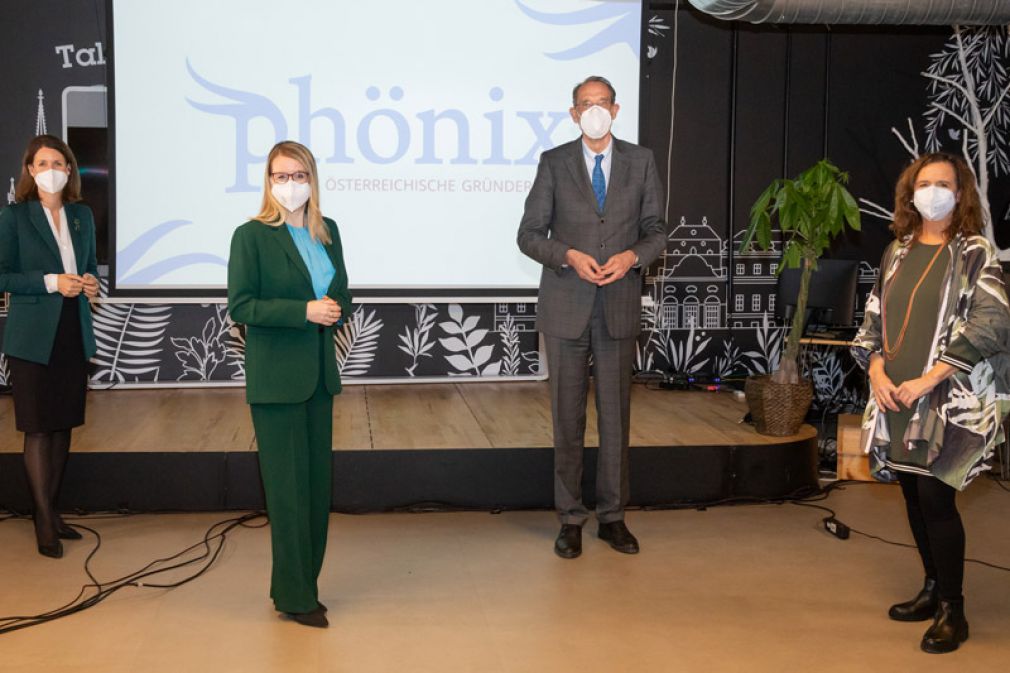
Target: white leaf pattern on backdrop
684,356
731,360
766,359
827,374
417,342
827,370
469,357
510,347
644,352
201,355
533,359
129,338
656,28
235,348
357,342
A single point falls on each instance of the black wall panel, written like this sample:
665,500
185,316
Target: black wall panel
752,104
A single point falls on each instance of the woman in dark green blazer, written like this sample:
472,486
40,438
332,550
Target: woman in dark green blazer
288,285
47,264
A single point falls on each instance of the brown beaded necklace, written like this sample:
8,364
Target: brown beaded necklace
891,352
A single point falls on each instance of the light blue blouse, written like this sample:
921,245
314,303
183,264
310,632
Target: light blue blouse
314,255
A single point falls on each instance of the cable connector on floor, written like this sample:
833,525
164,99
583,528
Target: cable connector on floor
836,528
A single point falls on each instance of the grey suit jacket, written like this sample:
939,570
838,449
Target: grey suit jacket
561,213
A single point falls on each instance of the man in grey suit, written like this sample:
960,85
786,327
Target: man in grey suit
594,219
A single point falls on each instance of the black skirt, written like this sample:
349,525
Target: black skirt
49,398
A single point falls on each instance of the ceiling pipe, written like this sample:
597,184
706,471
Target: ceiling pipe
866,12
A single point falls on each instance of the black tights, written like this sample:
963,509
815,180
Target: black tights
936,527
45,458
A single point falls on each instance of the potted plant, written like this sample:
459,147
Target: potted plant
811,211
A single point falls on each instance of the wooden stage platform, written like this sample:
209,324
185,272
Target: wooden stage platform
460,444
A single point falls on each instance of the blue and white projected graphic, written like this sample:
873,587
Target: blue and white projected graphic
426,118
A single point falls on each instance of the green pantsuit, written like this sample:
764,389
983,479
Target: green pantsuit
295,453
291,377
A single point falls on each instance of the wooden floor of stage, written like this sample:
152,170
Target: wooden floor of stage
377,417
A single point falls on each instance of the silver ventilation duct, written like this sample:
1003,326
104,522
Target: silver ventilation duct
839,12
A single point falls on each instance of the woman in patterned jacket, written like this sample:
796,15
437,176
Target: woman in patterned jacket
935,342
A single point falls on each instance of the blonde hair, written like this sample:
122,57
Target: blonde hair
271,211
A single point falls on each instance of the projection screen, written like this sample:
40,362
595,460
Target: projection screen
426,119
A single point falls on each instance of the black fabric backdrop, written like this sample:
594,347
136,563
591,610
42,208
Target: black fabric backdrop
752,104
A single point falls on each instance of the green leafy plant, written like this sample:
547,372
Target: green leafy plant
811,211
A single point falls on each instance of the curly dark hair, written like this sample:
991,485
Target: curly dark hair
967,218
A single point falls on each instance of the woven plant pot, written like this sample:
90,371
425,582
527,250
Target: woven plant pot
778,409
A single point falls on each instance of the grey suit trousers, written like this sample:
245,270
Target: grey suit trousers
568,360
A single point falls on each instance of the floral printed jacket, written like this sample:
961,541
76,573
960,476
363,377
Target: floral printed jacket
960,420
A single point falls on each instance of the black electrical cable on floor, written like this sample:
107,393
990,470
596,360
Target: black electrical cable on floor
214,539
833,517
212,544
11,513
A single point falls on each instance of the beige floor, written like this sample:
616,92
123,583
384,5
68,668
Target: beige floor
756,588
377,417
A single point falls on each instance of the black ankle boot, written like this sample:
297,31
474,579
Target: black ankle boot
949,628
920,608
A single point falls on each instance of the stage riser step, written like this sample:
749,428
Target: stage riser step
372,481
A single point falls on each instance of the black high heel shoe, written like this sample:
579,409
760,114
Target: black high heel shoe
66,532
54,550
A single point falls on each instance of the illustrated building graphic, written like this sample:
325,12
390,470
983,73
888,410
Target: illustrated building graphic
754,281
689,288
523,315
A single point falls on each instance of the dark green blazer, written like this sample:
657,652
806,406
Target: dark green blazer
268,288
28,251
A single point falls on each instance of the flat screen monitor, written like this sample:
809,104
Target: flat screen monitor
832,299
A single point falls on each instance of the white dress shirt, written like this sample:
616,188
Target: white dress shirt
590,157
66,246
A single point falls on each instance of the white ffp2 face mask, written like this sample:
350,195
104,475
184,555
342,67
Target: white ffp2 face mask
934,203
595,122
51,181
292,195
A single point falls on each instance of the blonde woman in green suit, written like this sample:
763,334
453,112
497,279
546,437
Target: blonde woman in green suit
288,285
47,264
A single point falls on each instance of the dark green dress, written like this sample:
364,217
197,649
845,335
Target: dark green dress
912,359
